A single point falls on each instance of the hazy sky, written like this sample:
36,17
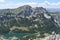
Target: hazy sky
34,3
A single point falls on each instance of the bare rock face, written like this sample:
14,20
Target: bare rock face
52,37
39,10
28,10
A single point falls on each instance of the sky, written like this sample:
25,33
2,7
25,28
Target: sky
5,4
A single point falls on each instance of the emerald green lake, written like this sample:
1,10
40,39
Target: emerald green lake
19,35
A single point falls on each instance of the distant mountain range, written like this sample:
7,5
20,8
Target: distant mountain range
53,9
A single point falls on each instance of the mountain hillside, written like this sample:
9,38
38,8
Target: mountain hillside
26,19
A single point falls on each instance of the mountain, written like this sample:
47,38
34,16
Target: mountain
17,10
26,19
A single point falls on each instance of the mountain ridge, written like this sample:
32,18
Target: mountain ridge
27,20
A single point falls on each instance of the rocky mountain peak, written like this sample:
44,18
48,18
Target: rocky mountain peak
40,10
28,10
